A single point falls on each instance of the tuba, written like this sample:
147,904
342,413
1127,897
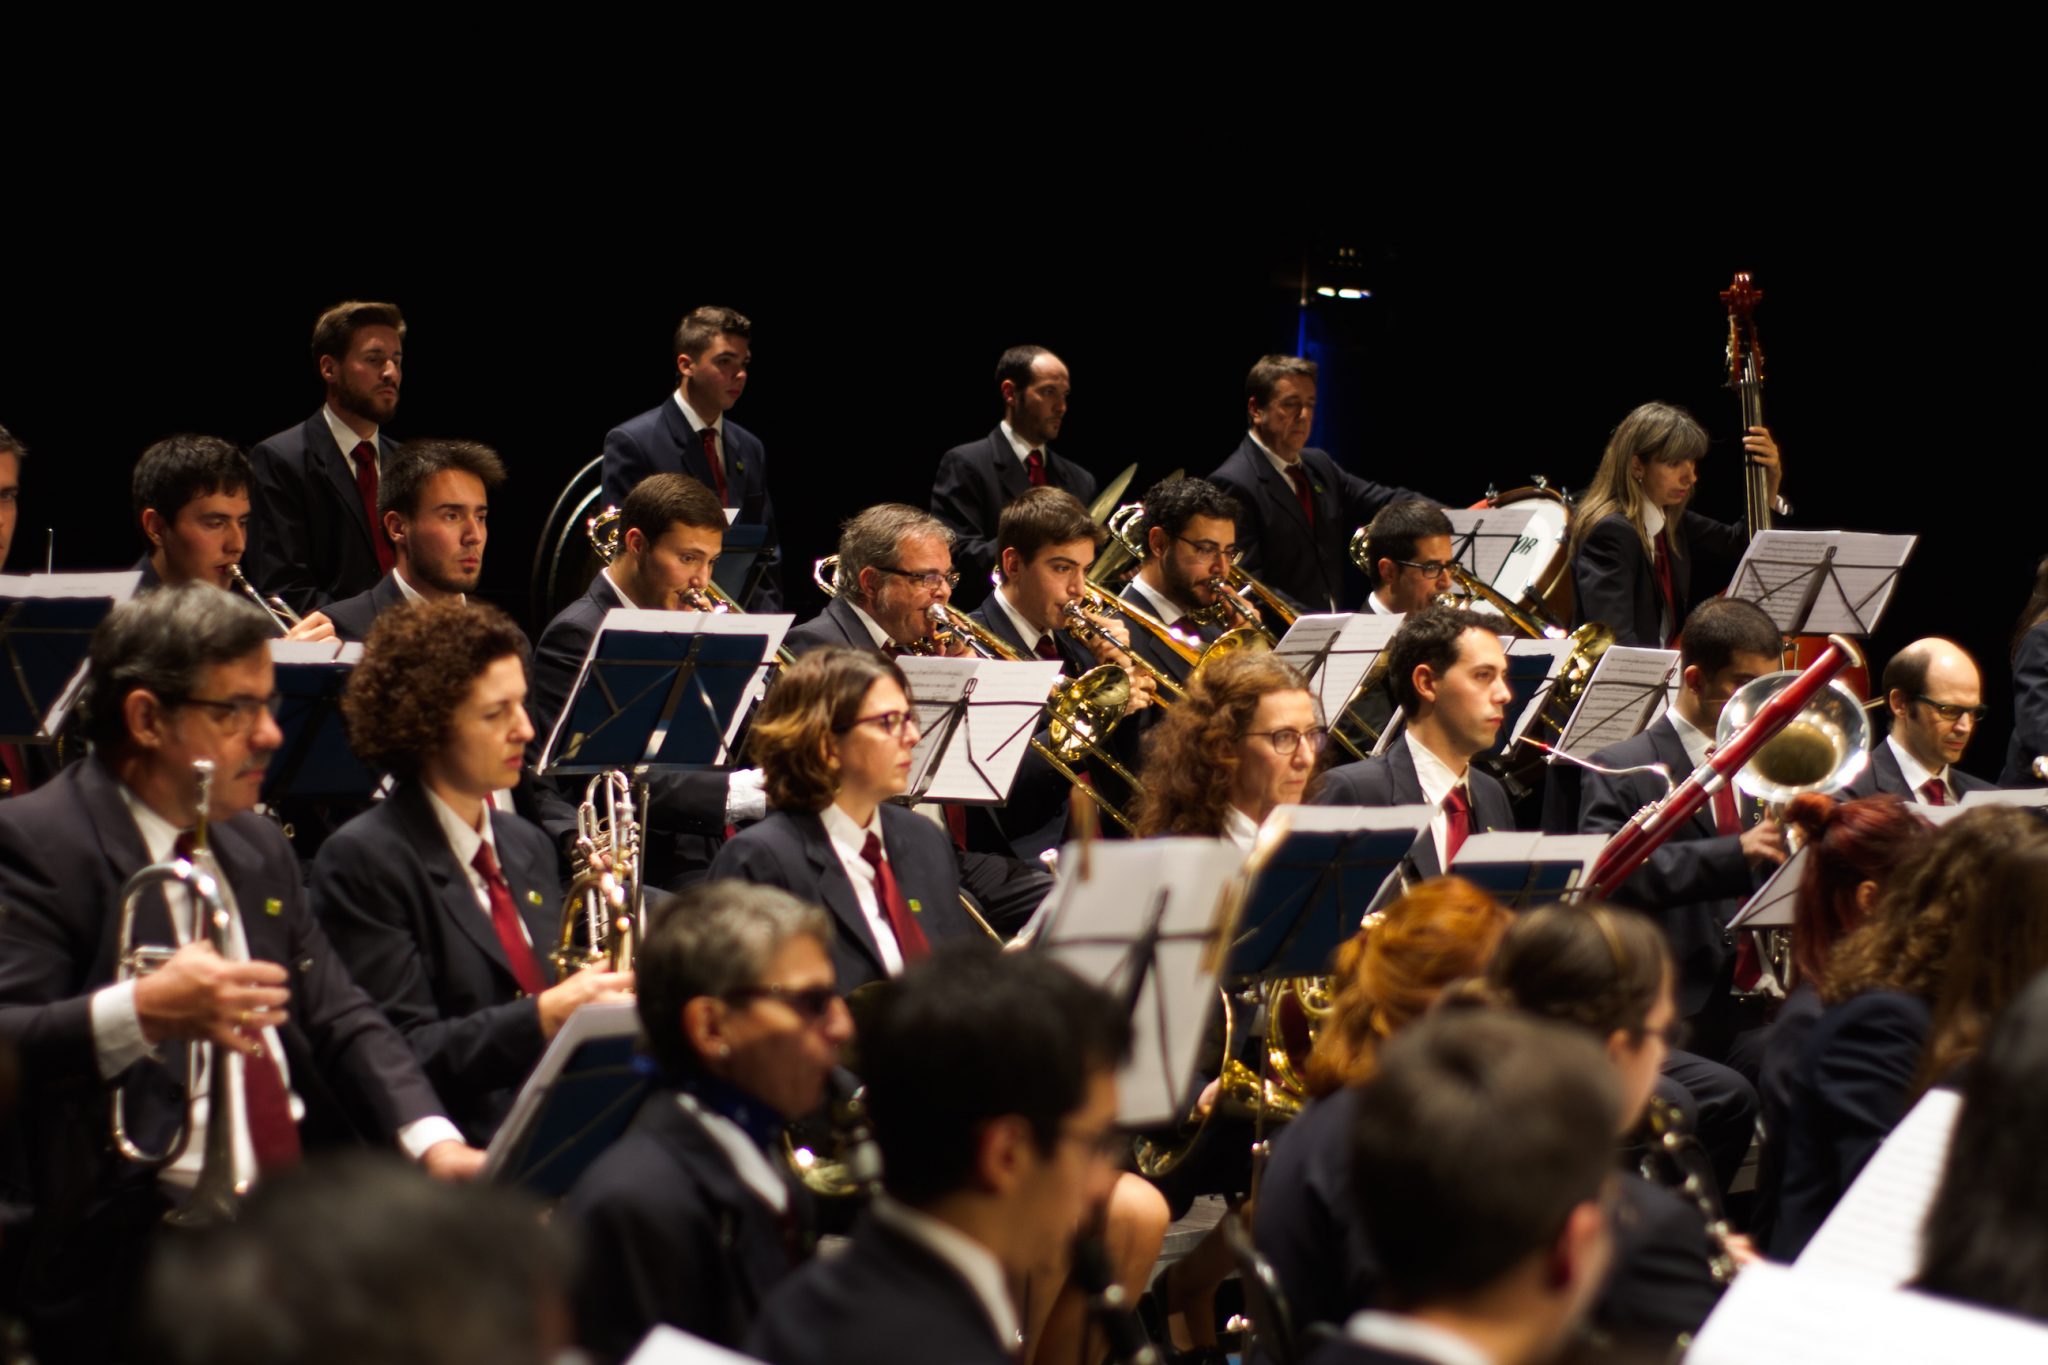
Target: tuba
601,916
214,1196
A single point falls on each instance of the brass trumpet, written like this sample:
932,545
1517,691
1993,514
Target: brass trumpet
603,900
275,607
1085,628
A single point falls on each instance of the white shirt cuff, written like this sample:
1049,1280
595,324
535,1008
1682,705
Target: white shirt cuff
117,1029
421,1134
746,796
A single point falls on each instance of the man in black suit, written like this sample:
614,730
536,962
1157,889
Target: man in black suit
1449,675
1189,537
315,537
1409,545
1935,696
434,505
179,676
444,909
671,533
1300,507
895,562
190,496
996,1144
1481,1269
978,480
689,434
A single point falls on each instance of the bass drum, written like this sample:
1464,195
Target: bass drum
1538,569
563,562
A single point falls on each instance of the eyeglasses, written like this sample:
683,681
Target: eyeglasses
236,713
1952,713
1109,1144
889,722
812,1002
1208,549
1285,742
931,580
1429,568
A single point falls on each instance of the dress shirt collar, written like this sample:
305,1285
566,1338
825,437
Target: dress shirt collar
1027,632
846,836
158,834
697,423
1022,447
1653,520
346,437
412,594
881,637
1282,465
969,1259
1433,773
1917,774
1696,741
1375,607
1157,602
749,1163
617,591
1239,828
462,839
1400,1336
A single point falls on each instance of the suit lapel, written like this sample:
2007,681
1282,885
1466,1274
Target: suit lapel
850,628
688,445
321,448
833,887
998,623
1010,475
1406,788
1884,768
421,830
1276,489
531,885
1670,751
387,594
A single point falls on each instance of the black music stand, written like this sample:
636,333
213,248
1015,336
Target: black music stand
742,563
315,762
46,626
1316,873
576,1103
1521,870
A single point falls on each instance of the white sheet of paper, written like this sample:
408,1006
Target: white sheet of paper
1996,796
1626,693
1006,705
316,651
1772,905
117,584
1502,538
1771,1313
1353,640
667,1346
1089,924
1527,846
587,1024
1874,1233
1777,569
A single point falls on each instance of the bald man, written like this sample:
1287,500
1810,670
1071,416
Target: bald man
1935,697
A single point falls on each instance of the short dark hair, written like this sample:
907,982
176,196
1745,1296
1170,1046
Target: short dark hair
1395,529
816,697
872,537
1267,372
10,444
180,468
404,1269
1599,967
1432,636
1172,503
1044,516
1016,364
1479,1135
702,326
336,329
660,501
162,641
417,667
714,939
405,478
1722,627
973,1034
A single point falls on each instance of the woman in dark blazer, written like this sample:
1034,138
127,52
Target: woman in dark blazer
833,740
2029,689
442,907
1637,546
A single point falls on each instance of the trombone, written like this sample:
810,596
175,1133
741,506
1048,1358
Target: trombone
214,1194
603,530
1085,629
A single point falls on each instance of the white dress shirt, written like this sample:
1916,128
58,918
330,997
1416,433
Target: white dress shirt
697,425
748,1161
348,440
1401,1336
848,839
1698,743
1375,607
1022,447
463,842
412,594
1239,828
1273,456
1156,602
968,1258
1654,522
1437,779
1026,631
1918,775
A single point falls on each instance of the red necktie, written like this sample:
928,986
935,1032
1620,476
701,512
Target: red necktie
1047,649
1660,556
1034,469
266,1108
910,938
709,435
12,768
505,920
365,455
1299,479
1934,791
1457,823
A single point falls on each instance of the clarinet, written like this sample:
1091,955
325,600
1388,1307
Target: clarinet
1675,1159
1111,1307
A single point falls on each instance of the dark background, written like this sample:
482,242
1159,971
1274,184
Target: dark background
1499,343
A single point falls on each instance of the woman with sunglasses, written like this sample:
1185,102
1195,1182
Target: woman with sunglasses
833,741
690,1219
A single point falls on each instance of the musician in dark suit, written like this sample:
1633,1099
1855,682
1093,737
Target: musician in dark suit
1189,538
691,1218
1299,506
314,537
978,480
1935,698
671,533
1449,675
22,766
434,505
2029,688
1408,543
689,434
190,496
894,563
833,739
443,908
181,675
1472,1268
991,1084
1641,557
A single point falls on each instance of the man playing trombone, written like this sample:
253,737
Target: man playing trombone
181,675
1189,535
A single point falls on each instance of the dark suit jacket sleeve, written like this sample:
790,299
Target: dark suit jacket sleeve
2029,707
1605,574
277,550
1351,784
44,1013
1682,871
371,902
1363,498
1660,1281
1716,547
756,859
1863,1069
767,596
958,499
639,1265
626,462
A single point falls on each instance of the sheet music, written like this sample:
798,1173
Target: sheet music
1627,692
1778,568
115,587
667,1346
1335,651
978,762
316,651
118,584
1774,1314
1525,846
1487,538
1874,1233
1772,905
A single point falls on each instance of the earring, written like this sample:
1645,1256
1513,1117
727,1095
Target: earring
724,1051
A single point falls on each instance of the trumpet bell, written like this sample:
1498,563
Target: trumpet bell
1243,640
1823,750
1085,709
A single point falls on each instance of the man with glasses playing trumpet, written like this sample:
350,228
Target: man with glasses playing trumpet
181,675
671,533
1189,540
